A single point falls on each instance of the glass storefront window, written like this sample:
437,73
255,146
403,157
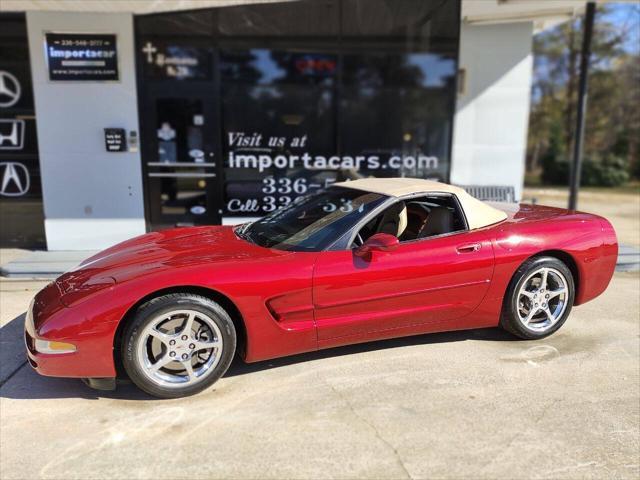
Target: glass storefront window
416,24
313,92
180,170
280,20
276,105
414,92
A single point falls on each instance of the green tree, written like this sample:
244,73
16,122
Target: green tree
612,129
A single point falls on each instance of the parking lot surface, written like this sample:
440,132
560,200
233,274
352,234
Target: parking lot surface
476,404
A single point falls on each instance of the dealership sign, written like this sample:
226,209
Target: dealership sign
289,169
81,57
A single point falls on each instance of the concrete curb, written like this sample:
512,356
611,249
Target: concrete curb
43,264
628,259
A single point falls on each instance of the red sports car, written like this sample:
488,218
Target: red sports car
362,260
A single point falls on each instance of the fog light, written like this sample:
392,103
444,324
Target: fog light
51,346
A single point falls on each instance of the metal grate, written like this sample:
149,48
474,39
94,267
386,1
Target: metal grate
491,193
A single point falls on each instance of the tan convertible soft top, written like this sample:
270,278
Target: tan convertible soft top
478,213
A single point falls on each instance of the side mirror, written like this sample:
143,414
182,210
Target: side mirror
381,242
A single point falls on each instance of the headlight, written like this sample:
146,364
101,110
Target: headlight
51,346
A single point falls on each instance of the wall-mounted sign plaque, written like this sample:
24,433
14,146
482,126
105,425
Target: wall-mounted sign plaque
81,57
115,139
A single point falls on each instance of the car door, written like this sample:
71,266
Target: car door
421,282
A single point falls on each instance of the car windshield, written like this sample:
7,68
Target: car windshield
312,223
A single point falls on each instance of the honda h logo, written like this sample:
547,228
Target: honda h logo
9,89
15,179
11,134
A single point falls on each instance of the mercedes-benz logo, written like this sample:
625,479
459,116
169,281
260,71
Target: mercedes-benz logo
15,179
9,89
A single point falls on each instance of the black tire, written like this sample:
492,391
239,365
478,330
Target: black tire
510,318
165,304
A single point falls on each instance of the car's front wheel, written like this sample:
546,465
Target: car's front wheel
178,345
539,298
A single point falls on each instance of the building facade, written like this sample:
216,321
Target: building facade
118,123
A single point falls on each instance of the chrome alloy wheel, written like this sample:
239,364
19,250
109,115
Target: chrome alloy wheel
542,299
179,348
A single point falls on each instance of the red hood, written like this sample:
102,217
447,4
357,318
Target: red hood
176,248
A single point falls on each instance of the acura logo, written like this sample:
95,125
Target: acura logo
15,179
9,89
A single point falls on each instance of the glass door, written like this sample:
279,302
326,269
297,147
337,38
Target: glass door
184,185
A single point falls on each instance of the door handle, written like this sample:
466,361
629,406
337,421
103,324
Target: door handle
469,247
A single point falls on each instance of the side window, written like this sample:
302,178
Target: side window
417,218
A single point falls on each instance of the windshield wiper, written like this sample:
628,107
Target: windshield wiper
245,233
241,231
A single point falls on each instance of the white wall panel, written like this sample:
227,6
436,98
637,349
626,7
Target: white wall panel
492,114
92,198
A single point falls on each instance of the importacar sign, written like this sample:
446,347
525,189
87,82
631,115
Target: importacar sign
81,57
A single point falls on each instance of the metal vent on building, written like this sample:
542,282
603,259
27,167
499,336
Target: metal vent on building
491,193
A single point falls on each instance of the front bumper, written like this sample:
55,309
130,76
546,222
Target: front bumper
53,365
43,360
82,343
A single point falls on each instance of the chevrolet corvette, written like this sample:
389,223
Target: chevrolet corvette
361,260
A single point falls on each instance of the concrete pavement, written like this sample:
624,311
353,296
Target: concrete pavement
458,405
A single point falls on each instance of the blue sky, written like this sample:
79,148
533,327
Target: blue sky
627,16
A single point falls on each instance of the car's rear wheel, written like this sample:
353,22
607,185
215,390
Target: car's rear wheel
539,298
178,345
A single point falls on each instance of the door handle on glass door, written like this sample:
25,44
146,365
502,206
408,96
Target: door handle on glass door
469,247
